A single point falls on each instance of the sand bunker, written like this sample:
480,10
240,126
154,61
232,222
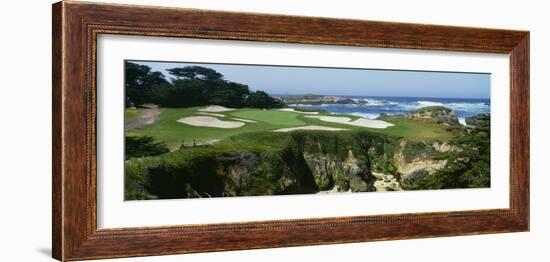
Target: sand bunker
220,115
208,121
296,111
215,109
244,120
362,122
311,127
210,114
370,123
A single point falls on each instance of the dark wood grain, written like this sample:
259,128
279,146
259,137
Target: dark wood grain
57,195
76,26
519,129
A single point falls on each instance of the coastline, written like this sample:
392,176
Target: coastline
371,107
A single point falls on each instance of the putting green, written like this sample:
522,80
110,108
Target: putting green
271,117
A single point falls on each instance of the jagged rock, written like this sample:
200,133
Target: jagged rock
386,182
318,166
350,173
358,173
239,172
356,184
412,166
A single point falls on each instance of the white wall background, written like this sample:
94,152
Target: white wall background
25,136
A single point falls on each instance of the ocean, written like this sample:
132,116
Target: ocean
375,106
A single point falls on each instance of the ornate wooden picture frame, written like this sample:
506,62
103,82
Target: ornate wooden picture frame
76,26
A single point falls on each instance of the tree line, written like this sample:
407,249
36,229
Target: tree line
190,86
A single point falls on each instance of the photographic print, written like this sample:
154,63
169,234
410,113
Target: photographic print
202,130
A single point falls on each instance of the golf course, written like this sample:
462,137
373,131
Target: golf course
169,129
199,135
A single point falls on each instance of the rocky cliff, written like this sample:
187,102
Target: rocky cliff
309,163
414,160
330,173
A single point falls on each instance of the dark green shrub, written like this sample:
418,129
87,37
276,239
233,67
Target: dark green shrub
141,146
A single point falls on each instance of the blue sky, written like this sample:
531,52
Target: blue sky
347,82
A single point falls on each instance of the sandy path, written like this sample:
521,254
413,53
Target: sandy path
296,111
362,122
147,116
208,121
311,127
215,109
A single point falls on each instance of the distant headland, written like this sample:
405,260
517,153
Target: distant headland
313,99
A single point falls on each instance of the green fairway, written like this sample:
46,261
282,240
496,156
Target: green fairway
276,118
167,129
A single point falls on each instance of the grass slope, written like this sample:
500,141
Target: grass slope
131,114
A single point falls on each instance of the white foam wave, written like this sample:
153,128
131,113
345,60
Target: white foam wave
429,103
467,106
462,121
461,106
375,106
376,102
